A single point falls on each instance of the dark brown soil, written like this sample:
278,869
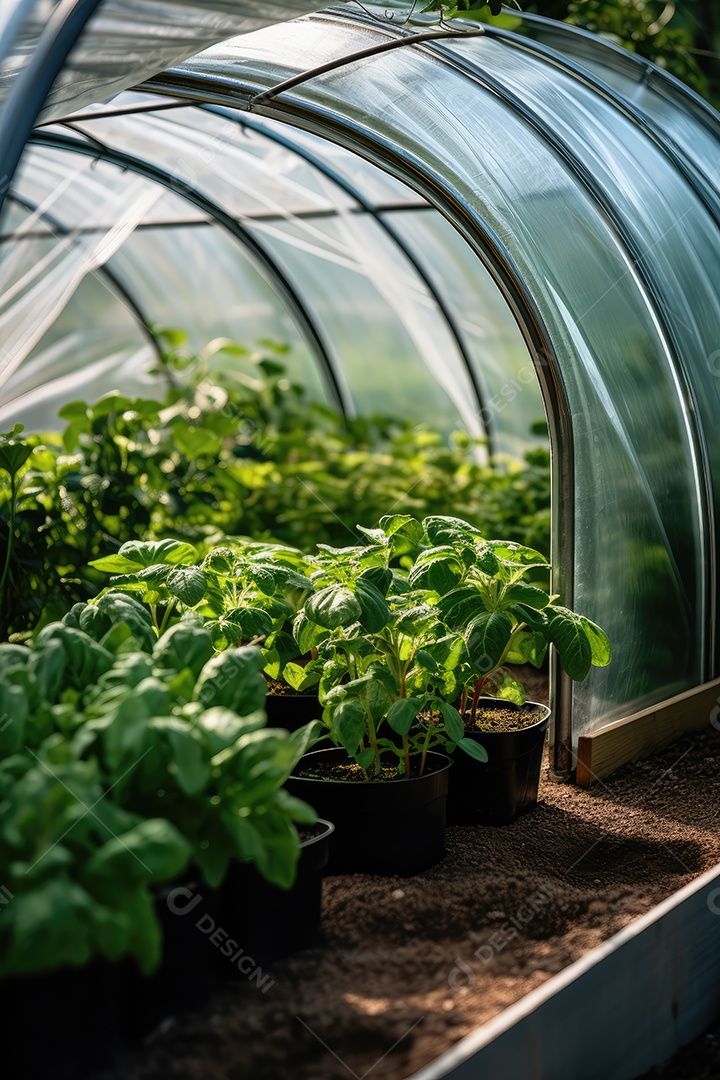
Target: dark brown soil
409,966
281,689
500,718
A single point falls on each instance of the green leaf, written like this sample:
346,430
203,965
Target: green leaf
188,758
511,690
601,651
349,725
473,749
374,608
402,713
441,529
333,606
438,569
517,554
405,524
522,593
486,640
377,700
453,721
307,634
366,757
232,679
379,576
188,583
569,636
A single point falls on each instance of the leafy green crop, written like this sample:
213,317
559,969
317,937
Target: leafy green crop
396,649
227,456
124,756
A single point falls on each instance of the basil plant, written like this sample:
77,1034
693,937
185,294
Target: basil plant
423,617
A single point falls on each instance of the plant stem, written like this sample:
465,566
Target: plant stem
423,756
166,616
11,534
406,753
478,691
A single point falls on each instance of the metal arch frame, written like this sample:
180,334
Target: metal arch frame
707,533
501,266
378,215
26,100
257,251
56,228
696,436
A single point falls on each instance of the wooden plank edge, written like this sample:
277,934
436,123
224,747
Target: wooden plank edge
586,1020
601,752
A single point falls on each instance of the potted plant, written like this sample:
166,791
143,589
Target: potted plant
245,592
177,735
387,667
483,596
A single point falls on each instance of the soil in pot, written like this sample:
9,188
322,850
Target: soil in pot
498,791
266,921
389,825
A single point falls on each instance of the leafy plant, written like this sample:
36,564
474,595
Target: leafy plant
225,455
481,592
165,741
387,661
79,879
397,649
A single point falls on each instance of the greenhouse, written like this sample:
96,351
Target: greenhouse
505,230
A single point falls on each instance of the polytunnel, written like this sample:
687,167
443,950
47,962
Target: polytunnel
464,222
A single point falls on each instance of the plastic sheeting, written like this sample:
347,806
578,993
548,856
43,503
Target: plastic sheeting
587,208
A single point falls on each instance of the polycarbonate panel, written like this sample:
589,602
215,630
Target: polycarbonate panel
512,401
638,560
223,297
378,188
239,169
676,111
94,345
660,211
39,276
21,24
125,41
42,182
389,340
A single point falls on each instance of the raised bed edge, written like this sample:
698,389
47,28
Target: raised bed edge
622,1008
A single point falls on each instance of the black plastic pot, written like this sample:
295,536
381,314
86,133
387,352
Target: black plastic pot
266,921
292,711
506,786
185,977
382,826
61,1024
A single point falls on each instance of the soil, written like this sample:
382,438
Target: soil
409,966
501,718
281,689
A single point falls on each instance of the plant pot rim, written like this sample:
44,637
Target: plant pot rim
547,713
328,830
447,763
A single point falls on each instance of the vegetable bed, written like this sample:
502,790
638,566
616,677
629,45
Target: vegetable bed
408,967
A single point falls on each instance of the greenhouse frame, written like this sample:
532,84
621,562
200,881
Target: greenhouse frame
458,251
531,215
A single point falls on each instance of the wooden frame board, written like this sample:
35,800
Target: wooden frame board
646,732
